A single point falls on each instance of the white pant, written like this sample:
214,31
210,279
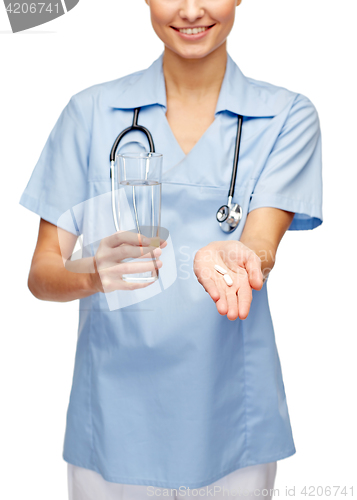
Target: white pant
254,482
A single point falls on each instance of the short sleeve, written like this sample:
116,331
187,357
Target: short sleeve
59,179
291,179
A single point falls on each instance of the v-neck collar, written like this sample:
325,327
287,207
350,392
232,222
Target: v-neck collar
238,94
179,148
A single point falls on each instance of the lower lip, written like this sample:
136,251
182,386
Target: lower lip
197,36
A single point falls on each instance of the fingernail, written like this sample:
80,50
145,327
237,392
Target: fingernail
155,241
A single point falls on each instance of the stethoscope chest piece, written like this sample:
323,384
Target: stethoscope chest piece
229,217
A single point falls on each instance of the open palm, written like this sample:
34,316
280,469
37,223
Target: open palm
243,266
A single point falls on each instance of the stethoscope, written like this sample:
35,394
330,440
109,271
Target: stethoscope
228,215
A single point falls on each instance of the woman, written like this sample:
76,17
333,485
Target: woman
181,388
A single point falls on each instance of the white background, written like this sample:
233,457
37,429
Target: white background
307,46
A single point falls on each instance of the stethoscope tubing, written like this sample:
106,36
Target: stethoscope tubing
134,126
236,157
149,137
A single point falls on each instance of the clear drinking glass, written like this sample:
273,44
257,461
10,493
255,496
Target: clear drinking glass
139,202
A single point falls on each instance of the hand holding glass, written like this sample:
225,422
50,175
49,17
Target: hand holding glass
118,254
138,209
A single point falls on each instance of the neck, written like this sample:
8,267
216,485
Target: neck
193,79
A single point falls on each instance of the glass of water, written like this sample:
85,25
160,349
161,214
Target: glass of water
139,203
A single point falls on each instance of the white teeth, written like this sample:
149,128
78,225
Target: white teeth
192,31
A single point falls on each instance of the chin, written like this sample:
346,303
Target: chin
192,52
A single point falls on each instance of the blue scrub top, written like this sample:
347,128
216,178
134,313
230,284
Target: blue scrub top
166,391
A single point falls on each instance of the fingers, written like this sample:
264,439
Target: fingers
240,255
205,275
130,238
136,286
109,257
210,287
132,252
228,303
217,288
127,246
234,301
111,278
253,266
224,296
156,242
114,285
138,267
243,266
244,300
222,304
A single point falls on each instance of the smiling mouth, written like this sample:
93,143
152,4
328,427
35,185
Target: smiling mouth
193,31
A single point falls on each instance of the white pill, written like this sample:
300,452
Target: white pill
228,279
220,269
